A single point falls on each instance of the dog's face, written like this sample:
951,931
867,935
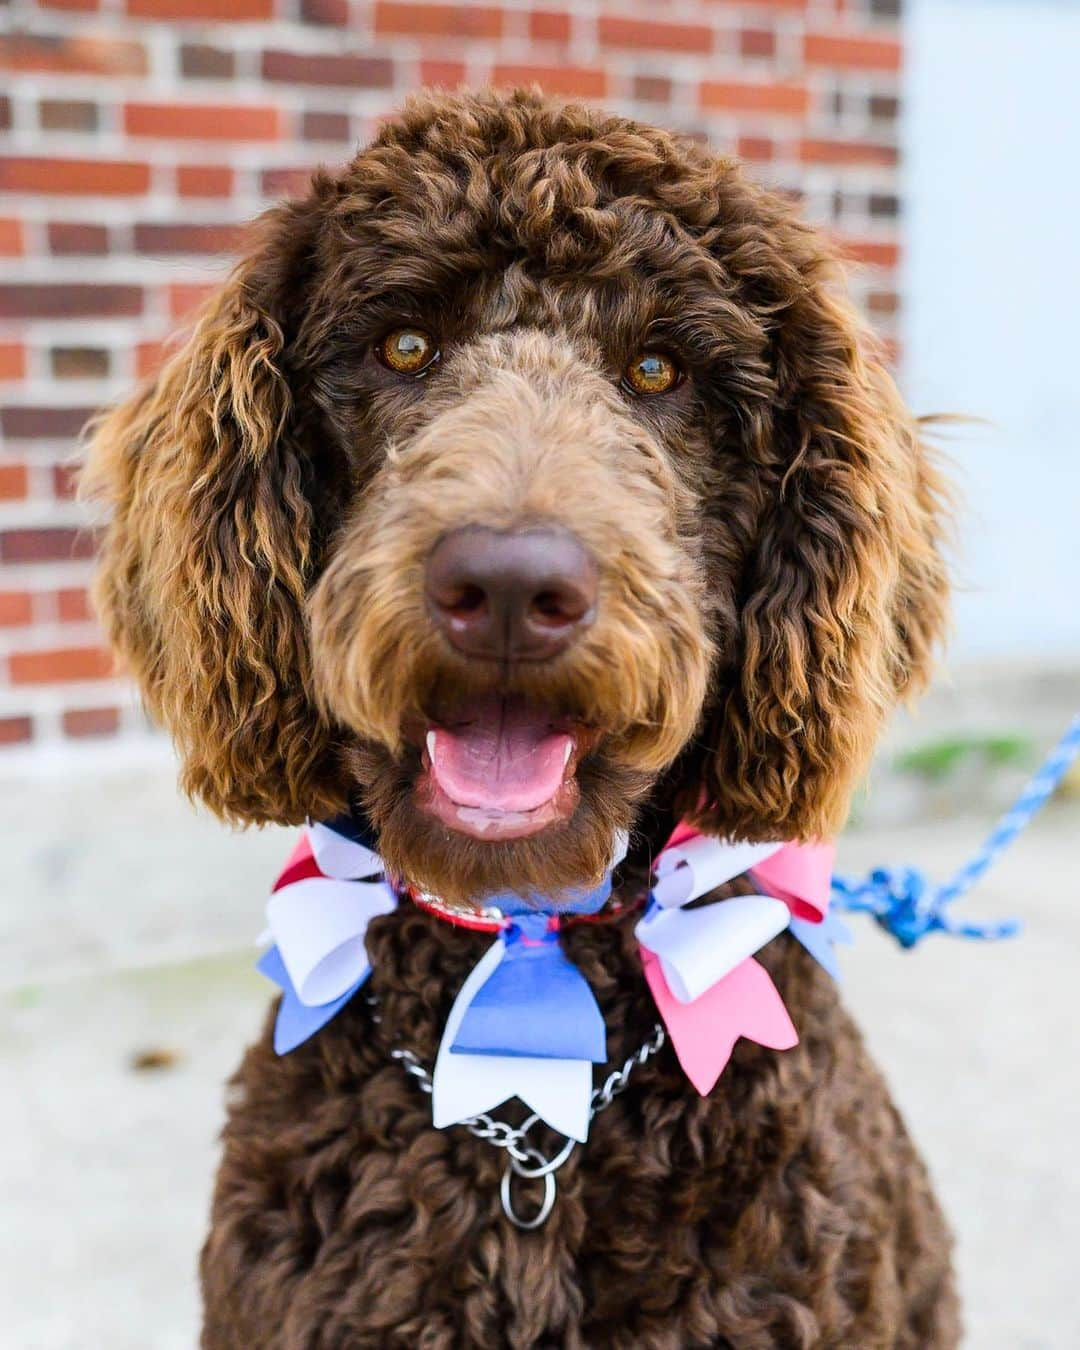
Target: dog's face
513,622
527,464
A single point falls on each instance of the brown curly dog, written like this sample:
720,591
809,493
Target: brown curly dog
535,427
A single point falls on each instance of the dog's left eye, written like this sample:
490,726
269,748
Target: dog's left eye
652,372
408,351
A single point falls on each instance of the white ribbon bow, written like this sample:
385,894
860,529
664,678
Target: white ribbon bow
340,857
690,870
699,947
319,924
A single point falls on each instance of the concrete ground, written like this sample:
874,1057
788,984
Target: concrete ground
127,922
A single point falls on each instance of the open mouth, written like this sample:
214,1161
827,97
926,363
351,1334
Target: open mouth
500,768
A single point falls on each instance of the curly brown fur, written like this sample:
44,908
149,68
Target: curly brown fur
767,540
788,1209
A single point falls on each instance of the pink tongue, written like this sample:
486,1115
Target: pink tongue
503,756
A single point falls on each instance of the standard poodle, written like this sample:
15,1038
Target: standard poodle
532,484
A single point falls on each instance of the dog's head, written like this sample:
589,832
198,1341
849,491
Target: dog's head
529,465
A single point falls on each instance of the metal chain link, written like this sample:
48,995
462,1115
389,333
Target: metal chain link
524,1160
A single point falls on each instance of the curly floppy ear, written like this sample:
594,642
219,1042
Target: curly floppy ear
209,545
844,593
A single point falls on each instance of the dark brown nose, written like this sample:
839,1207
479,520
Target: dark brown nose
511,595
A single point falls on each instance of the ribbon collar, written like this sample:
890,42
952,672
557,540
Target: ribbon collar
526,1022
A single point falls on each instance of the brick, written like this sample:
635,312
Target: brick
845,51
14,482
460,21
68,115
883,205
199,61
325,12
285,181
68,238
184,296
325,126
90,177
872,252
648,35
785,4
786,100
755,149
235,11
204,180
46,544
571,81
12,361
34,423
11,238
884,107
442,74
73,605
354,72
65,480
79,363
757,42
55,54
883,303
203,122
64,300
59,664
82,722
652,88
15,730
547,25
846,152
15,609
157,239
149,357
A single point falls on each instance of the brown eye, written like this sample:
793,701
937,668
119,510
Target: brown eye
409,351
652,372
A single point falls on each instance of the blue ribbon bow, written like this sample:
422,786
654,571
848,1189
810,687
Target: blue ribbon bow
297,1022
535,1003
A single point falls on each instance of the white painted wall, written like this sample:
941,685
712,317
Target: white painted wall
993,304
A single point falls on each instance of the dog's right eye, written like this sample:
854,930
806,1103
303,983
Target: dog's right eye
652,372
408,351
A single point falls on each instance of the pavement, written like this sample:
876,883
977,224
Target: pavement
128,993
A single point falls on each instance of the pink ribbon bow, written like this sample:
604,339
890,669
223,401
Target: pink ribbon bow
699,963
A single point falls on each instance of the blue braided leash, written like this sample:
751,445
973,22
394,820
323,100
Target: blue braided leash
907,904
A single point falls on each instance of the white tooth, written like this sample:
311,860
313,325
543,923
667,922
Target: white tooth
567,752
429,741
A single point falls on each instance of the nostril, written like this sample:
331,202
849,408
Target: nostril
466,601
557,608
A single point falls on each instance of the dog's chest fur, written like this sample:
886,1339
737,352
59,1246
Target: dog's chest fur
786,1209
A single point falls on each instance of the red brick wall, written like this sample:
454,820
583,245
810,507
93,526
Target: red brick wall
137,135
